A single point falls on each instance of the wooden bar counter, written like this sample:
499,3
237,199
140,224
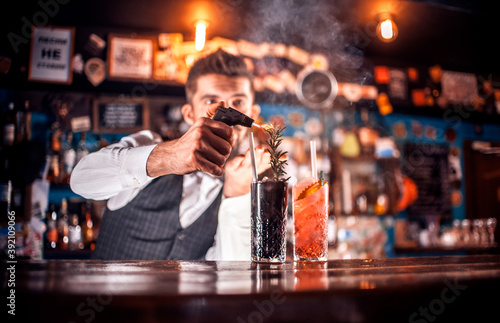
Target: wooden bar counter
420,289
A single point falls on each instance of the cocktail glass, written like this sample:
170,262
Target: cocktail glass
268,221
310,217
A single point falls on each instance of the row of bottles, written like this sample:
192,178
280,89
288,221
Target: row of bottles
16,125
366,161
64,154
65,231
15,122
363,139
355,139
372,196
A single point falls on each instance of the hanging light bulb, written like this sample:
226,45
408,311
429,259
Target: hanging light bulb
201,33
387,30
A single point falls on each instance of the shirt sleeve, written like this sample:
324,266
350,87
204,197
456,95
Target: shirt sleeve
113,169
232,240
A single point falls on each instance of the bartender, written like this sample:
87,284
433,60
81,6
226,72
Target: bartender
184,199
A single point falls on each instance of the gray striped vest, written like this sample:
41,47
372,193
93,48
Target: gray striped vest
148,227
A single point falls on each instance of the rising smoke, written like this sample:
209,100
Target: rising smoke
318,26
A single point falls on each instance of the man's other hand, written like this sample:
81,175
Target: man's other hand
239,172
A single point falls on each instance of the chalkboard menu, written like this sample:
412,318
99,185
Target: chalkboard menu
120,115
427,165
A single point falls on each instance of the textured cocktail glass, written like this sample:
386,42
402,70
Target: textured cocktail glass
268,221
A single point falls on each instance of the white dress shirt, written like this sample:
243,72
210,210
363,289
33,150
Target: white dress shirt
117,173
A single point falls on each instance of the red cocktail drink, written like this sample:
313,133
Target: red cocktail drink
310,217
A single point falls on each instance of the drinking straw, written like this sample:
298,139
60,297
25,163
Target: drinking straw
314,167
252,157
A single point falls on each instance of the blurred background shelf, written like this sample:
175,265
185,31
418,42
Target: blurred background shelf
447,250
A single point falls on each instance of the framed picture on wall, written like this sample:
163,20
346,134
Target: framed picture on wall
131,57
459,88
51,54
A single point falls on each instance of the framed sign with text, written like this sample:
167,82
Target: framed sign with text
427,165
130,57
120,115
51,54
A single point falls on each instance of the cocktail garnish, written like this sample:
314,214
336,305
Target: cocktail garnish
277,163
267,126
311,189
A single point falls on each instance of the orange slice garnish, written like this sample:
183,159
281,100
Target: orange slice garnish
310,190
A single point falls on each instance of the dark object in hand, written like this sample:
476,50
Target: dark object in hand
232,117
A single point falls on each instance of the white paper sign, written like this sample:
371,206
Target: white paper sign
81,124
51,52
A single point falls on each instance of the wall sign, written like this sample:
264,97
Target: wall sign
131,57
51,54
120,115
427,166
398,84
459,88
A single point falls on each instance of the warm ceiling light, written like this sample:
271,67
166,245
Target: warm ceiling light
387,30
201,34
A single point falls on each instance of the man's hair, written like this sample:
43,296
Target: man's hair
219,62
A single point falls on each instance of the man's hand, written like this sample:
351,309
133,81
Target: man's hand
205,146
239,172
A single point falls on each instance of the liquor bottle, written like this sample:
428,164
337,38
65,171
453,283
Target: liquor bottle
361,199
51,233
75,234
382,201
367,135
9,126
349,147
55,140
27,121
53,161
54,173
88,228
21,124
68,157
63,226
82,149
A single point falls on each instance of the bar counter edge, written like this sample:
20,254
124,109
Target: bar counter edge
415,289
